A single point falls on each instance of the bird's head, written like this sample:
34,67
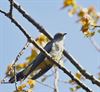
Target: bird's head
59,36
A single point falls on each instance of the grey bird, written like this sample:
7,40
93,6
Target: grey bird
54,48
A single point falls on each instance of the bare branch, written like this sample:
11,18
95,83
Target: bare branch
48,56
95,44
86,74
95,26
56,79
17,58
66,54
3,80
14,67
31,20
11,7
20,53
3,12
44,84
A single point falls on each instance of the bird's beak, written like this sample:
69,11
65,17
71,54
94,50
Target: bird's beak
64,34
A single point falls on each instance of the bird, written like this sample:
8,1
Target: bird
41,63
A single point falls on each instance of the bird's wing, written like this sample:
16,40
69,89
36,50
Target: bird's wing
39,59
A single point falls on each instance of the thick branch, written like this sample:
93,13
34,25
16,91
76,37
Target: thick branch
66,54
31,20
46,53
81,69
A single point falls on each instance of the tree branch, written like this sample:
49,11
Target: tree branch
31,20
11,7
20,53
44,84
30,39
14,67
95,44
66,54
56,78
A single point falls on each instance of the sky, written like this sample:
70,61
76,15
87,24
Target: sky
53,19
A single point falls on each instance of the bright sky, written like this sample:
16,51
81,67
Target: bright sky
53,19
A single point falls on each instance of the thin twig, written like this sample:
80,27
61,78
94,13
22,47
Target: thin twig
3,80
11,7
47,76
44,84
56,75
66,54
95,26
20,53
16,59
3,12
63,81
47,54
95,44
14,67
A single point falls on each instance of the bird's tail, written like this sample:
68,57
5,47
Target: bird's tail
18,77
41,72
22,74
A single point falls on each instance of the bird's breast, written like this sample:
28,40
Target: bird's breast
57,50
